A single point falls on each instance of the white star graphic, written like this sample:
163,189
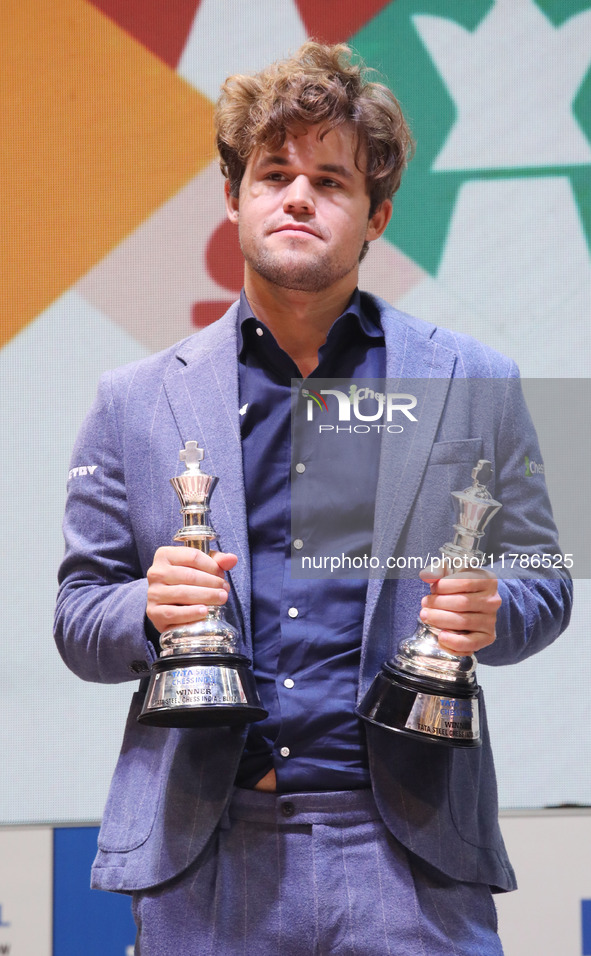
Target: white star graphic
219,45
513,81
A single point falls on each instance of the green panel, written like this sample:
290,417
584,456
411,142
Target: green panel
423,208
391,44
558,11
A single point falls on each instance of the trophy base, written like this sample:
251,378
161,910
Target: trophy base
201,690
433,710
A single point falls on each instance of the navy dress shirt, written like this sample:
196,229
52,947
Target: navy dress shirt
306,633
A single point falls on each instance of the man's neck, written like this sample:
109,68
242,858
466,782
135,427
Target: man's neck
299,321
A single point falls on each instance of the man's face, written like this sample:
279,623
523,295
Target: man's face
303,211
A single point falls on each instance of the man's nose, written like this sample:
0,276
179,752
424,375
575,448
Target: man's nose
299,197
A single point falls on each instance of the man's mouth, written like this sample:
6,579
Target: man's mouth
297,227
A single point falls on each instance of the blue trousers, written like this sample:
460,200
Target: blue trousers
312,874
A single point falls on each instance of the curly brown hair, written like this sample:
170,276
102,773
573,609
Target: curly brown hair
322,86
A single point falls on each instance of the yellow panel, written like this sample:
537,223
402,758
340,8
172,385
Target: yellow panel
96,134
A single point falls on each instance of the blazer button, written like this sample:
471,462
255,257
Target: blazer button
287,808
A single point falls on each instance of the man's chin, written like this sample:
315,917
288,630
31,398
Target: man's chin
296,280
299,274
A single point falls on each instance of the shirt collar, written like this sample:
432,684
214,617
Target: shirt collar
366,324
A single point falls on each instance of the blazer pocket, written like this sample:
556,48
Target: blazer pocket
135,789
456,452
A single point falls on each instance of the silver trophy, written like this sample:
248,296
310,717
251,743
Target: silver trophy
425,691
200,678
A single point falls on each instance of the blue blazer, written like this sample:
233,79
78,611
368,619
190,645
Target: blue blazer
171,786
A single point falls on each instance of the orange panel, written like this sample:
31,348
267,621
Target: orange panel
96,134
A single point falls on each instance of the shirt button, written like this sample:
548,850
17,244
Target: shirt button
259,330
298,544
287,809
293,612
300,468
288,682
284,751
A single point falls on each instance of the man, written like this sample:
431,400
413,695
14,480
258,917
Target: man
309,832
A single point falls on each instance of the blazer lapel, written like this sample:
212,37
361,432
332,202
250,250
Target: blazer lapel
417,365
203,394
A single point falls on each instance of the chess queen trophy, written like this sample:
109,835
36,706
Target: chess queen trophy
425,691
201,678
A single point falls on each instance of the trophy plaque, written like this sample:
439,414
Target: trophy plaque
425,691
200,679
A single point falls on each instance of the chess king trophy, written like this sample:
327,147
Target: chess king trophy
200,678
427,692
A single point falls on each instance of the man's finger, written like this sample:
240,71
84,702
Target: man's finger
468,643
169,575
224,559
467,584
180,555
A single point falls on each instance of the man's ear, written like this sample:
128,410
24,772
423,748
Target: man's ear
231,203
379,221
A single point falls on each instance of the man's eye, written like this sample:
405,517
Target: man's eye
331,183
276,177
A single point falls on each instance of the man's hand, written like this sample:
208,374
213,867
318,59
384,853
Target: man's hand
464,605
183,583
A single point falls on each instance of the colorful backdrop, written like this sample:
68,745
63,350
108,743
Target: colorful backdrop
115,244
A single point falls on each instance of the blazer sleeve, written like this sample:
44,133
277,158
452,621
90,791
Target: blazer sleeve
536,604
100,612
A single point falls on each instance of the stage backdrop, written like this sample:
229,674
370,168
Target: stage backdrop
115,244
